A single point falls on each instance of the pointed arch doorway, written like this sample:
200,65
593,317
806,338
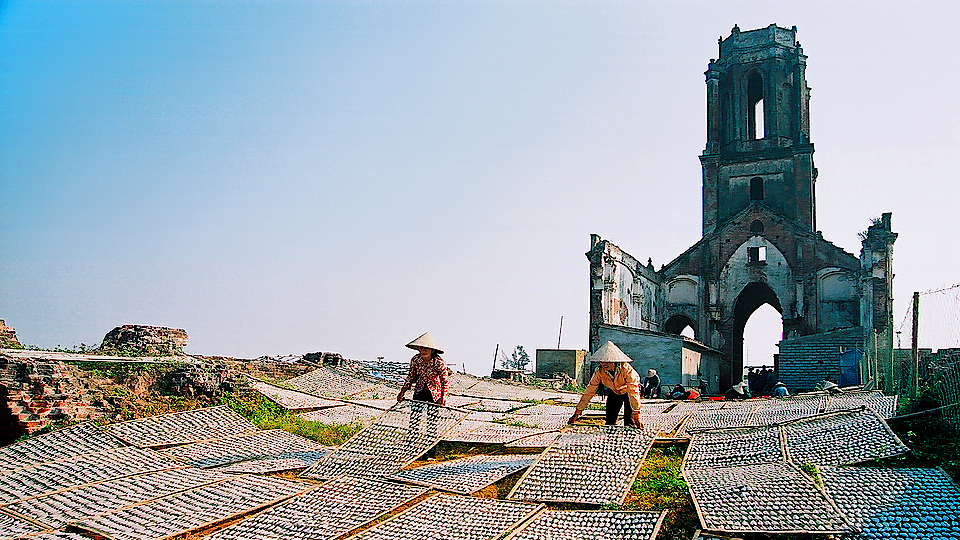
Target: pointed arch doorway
751,298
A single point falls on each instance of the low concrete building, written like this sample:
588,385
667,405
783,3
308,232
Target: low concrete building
567,361
677,359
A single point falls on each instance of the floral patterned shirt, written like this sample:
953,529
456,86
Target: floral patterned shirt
431,374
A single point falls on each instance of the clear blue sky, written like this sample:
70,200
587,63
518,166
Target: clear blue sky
287,177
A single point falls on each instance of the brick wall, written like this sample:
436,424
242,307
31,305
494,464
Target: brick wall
37,392
807,360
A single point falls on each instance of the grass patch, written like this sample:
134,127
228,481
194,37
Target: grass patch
262,412
266,414
659,486
130,408
933,442
514,423
811,470
119,372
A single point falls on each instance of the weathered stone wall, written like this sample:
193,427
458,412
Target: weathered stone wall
199,379
143,340
8,337
623,291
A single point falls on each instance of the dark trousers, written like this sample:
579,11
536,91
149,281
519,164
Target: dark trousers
614,402
425,395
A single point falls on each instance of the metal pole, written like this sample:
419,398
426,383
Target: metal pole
495,359
561,331
915,349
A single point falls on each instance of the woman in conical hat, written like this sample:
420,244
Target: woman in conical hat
427,371
650,387
737,391
621,379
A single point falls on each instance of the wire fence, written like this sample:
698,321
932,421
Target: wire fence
938,344
941,373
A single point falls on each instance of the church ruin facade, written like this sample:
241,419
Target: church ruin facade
760,241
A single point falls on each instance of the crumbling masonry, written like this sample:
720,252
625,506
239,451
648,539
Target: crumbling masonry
760,243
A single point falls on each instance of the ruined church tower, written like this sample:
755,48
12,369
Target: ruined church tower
760,244
758,129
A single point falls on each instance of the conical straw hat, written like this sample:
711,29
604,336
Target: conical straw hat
608,352
426,340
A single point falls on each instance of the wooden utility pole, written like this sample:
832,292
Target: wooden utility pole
497,350
915,348
561,332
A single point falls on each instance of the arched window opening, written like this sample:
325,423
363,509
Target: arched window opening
755,109
756,188
680,325
756,226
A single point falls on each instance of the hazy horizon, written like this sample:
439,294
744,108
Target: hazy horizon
290,177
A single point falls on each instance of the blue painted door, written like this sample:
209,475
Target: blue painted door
850,367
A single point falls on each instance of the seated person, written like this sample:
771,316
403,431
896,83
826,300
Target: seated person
831,387
651,385
737,391
679,392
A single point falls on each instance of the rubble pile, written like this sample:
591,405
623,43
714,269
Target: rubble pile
200,379
274,371
140,340
8,337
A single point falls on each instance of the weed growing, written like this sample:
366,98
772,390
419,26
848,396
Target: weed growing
810,469
659,486
120,372
266,414
933,442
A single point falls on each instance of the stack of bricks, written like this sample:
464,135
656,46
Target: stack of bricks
807,360
38,392
8,337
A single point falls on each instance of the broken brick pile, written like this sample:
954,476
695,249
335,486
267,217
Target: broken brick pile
144,340
8,337
275,371
199,379
37,392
